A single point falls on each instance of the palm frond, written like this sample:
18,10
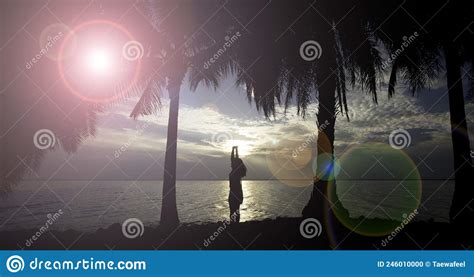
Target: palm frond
150,100
393,79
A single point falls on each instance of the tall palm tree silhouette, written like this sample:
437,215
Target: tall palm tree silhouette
444,39
181,47
2,141
419,64
349,55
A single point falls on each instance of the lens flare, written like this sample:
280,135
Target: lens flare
324,168
91,64
51,38
289,166
378,186
99,62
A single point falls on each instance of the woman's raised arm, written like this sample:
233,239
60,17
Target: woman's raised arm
232,156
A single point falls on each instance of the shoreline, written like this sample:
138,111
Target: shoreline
275,234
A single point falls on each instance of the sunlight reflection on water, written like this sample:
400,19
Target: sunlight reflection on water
102,203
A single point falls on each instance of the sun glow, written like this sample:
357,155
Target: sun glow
245,147
93,64
98,61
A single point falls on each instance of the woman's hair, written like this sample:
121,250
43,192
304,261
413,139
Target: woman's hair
239,167
236,163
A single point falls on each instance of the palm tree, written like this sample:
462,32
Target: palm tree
418,66
2,120
352,56
266,61
181,47
2,128
443,38
23,113
20,124
2,143
454,41
2,115
269,65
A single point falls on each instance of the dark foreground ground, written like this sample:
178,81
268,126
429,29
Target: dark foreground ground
280,233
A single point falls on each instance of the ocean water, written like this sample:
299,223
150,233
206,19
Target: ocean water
88,206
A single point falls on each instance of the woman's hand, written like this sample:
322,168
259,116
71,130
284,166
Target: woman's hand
235,153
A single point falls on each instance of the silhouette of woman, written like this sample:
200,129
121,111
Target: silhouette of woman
236,196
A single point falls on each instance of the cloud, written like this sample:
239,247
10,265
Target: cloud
209,125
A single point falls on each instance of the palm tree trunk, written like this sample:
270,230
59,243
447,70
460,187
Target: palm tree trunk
325,143
2,125
169,211
2,143
325,147
462,207
319,205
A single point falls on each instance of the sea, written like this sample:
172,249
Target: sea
90,205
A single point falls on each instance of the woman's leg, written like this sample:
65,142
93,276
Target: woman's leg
231,210
234,211
237,213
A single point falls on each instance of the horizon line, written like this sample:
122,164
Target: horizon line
197,179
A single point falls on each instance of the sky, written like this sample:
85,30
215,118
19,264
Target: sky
211,122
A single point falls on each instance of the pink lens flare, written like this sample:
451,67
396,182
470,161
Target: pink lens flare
92,63
99,61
